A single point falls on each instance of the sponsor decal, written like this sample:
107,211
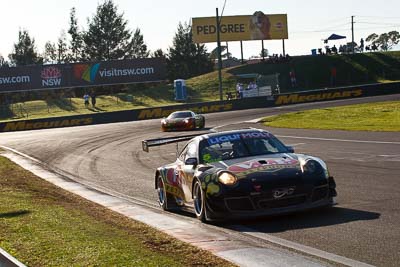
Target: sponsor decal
26,125
281,192
114,72
298,98
164,112
86,72
210,185
15,79
51,76
263,165
233,137
172,177
173,190
172,182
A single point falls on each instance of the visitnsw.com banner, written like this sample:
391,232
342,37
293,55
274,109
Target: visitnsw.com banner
258,26
82,74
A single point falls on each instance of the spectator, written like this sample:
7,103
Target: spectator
239,90
334,49
93,97
333,76
86,99
293,80
328,50
341,49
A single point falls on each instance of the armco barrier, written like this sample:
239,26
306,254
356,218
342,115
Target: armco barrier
206,107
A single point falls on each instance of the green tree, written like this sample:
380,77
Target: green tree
139,48
62,48
24,52
214,53
187,59
50,53
158,53
3,62
76,43
385,41
107,36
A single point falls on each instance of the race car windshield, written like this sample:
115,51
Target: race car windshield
180,115
239,145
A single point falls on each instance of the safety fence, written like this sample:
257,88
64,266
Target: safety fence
205,107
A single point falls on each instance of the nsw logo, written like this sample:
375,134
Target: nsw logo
86,72
51,76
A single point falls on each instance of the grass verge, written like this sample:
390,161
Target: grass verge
43,225
380,116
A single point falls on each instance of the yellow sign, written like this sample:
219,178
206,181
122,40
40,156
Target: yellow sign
296,98
258,26
26,125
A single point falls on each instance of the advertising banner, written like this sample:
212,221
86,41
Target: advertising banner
206,107
258,26
42,77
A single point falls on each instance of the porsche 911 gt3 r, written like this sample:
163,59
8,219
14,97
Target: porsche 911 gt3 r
241,173
182,120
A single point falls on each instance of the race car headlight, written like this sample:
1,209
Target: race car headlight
227,178
187,120
312,167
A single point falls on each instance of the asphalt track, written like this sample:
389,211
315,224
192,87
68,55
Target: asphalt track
364,226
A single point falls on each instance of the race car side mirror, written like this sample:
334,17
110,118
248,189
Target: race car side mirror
290,149
191,161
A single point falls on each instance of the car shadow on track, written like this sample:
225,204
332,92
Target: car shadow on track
304,220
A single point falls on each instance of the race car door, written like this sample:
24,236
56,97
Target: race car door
186,167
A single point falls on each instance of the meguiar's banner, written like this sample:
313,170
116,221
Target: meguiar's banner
258,26
41,77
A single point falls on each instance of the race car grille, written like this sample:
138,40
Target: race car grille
319,193
239,204
280,203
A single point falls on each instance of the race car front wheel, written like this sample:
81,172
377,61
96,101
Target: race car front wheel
199,201
164,199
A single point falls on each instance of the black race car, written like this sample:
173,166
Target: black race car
241,173
183,120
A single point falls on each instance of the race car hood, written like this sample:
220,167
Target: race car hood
265,165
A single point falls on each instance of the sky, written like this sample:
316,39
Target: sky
309,21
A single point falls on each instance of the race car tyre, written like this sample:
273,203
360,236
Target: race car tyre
199,201
203,123
165,200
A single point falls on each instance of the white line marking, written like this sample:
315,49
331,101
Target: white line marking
338,140
299,247
298,144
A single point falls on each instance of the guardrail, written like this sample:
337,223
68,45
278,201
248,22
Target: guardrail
205,107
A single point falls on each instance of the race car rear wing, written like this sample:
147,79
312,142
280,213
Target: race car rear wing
166,140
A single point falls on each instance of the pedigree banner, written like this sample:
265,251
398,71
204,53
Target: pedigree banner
258,26
40,77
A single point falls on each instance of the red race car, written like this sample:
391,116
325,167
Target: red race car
183,120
